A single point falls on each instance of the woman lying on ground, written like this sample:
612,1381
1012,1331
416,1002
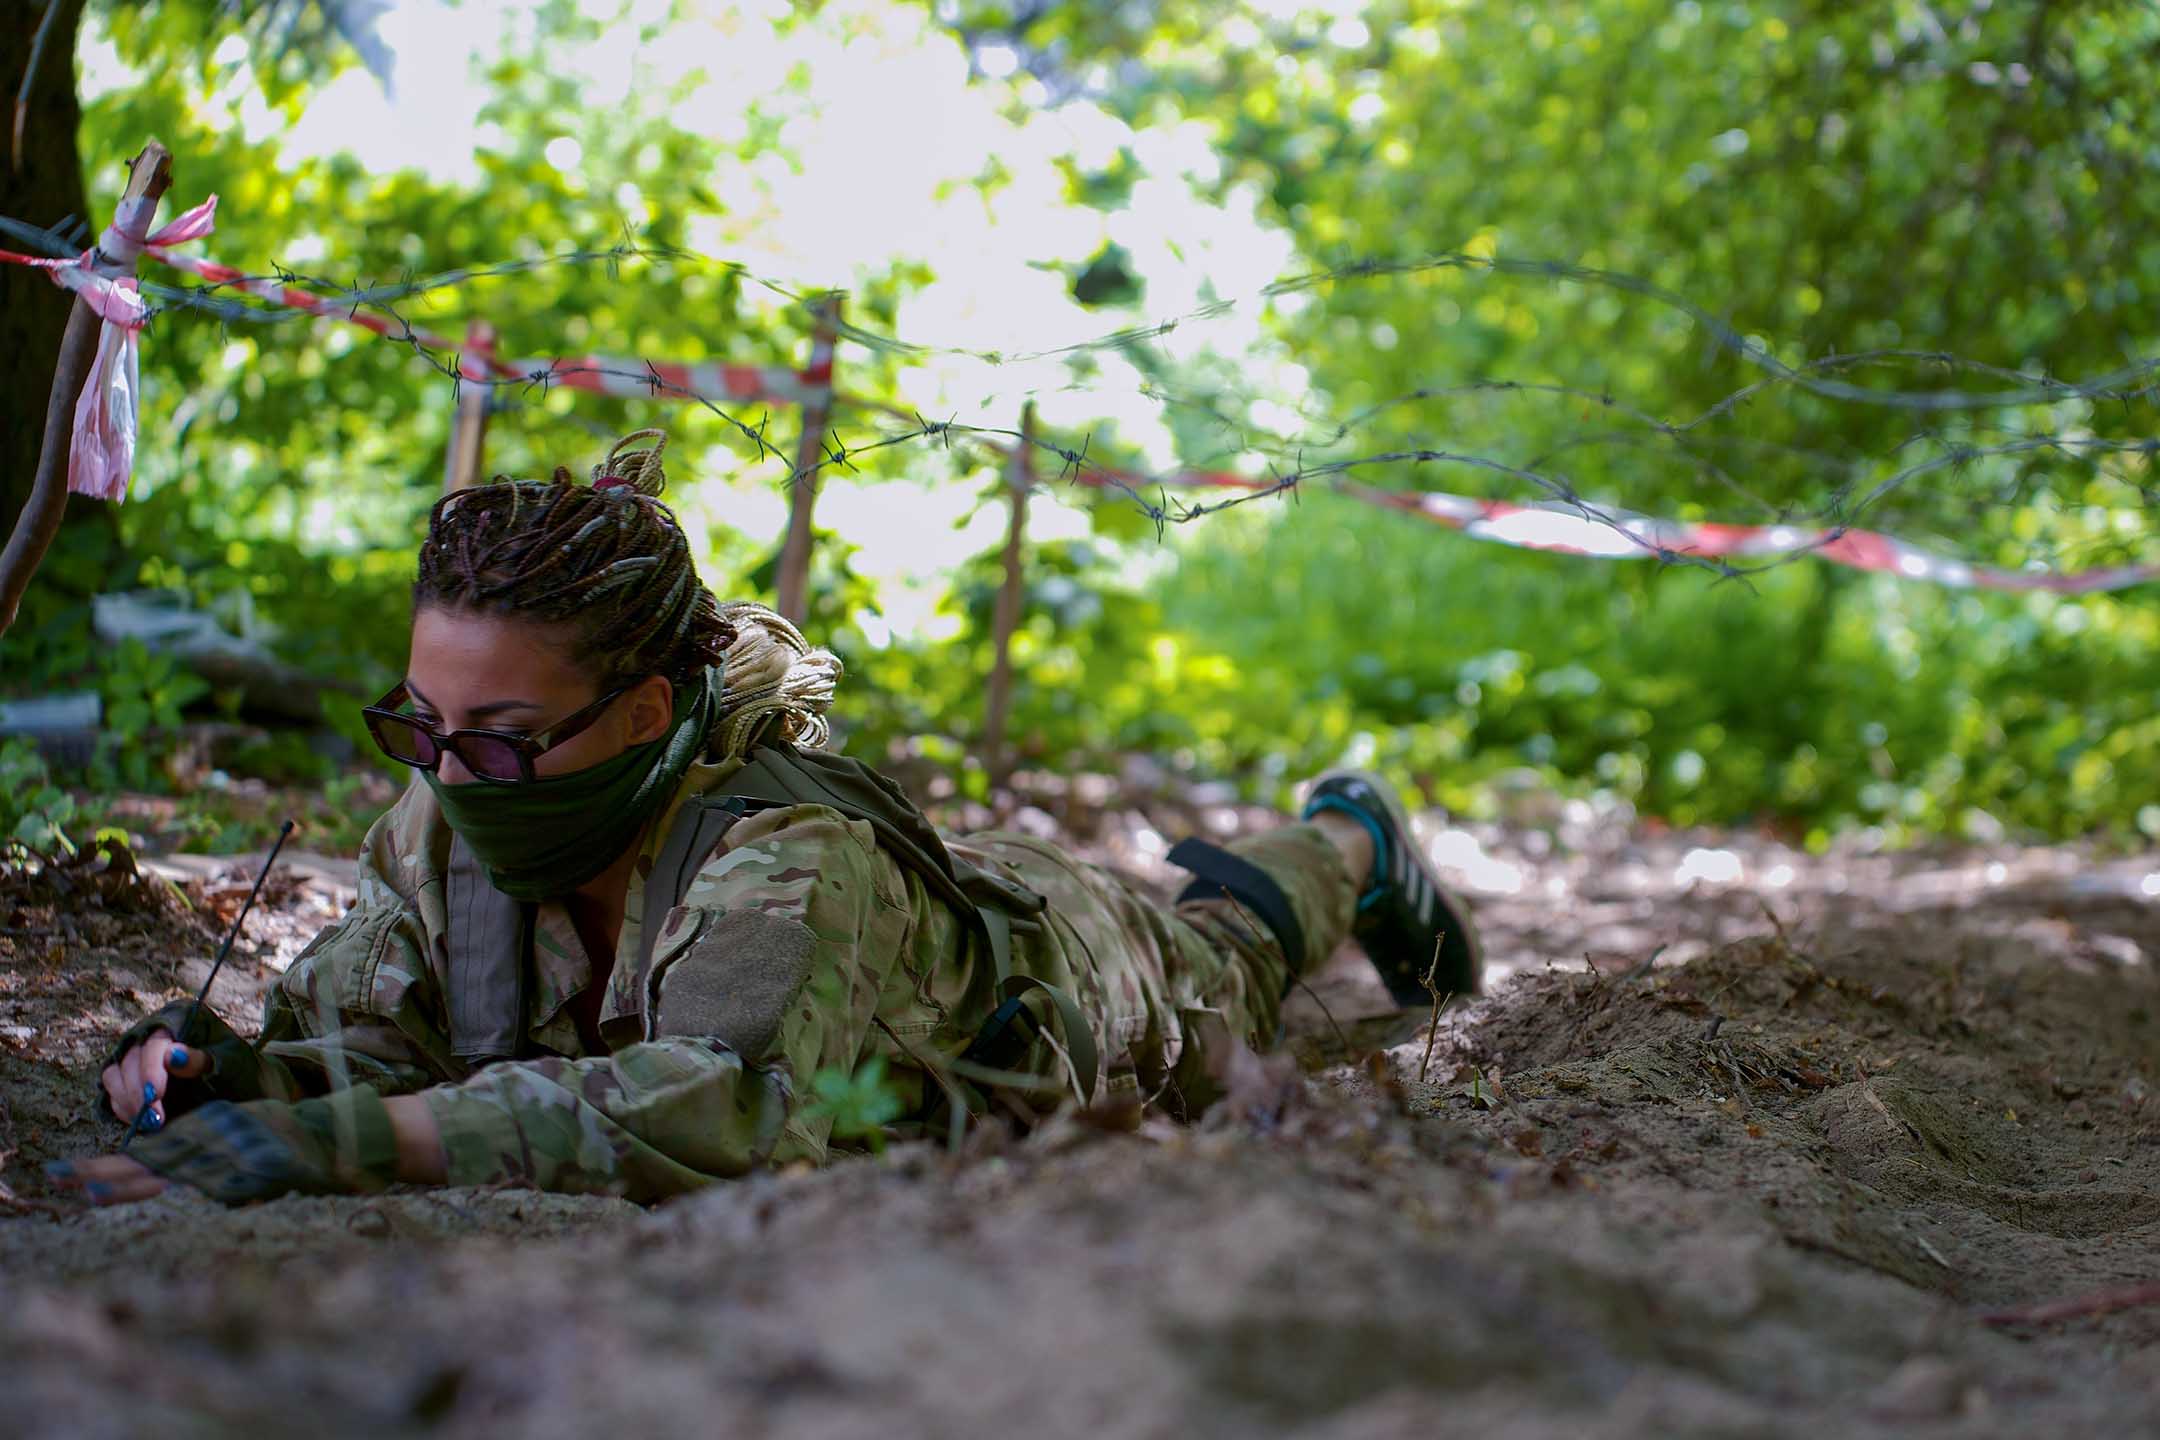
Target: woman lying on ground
634,910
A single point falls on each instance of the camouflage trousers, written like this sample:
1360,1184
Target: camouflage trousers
1164,985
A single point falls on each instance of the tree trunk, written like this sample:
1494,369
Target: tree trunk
46,189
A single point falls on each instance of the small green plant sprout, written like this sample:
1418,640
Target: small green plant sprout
859,1105
34,812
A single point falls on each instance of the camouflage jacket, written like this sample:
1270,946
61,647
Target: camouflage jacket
689,1074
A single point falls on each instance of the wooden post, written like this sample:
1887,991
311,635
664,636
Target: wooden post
149,177
468,428
1019,479
792,586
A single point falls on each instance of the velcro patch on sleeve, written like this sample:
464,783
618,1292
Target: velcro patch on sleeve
737,981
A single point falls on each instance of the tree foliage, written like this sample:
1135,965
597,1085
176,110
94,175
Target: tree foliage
1968,181
1972,182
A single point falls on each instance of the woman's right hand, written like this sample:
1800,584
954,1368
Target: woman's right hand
139,1076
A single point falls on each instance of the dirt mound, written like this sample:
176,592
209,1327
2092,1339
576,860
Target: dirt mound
1787,1187
1976,1122
89,944
1356,1272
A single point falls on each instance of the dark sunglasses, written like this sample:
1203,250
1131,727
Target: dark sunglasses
491,755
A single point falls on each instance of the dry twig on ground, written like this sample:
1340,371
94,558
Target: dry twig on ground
1439,1003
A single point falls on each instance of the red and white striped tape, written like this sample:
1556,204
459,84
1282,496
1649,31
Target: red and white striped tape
605,375
1610,534
293,297
1553,527
101,440
1624,535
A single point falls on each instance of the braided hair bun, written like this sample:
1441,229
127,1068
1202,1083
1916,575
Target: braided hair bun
607,562
639,470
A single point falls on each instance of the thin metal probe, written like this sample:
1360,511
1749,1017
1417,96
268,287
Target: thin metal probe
284,833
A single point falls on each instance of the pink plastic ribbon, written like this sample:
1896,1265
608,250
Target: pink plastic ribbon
101,456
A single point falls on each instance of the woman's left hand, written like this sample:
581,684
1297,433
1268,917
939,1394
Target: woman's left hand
107,1179
350,1142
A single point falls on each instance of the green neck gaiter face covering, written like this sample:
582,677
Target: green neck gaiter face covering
547,838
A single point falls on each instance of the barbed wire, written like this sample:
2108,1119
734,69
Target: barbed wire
1838,509
2139,379
1162,508
1856,485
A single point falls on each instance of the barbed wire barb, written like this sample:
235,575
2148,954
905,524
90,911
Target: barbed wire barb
1980,461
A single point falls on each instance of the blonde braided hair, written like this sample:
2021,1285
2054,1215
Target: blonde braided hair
772,670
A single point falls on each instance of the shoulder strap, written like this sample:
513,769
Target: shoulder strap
490,942
780,774
699,827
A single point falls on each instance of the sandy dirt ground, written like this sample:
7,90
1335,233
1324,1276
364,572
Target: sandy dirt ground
1740,1142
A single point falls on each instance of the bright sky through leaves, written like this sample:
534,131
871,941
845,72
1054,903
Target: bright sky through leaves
876,164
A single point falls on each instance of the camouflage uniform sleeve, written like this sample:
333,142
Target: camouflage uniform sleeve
360,1006
768,972
357,1008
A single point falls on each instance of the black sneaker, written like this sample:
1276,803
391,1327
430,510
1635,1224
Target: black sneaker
1404,915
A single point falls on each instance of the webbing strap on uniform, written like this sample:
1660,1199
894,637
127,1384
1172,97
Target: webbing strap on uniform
1217,872
697,832
1079,1039
999,926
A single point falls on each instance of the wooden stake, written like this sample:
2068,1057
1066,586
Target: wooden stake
791,597
1019,479
468,428
149,177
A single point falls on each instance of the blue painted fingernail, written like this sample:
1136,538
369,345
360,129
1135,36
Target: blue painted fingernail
177,1059
99,1190
154,1121
149,1091
59,1170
